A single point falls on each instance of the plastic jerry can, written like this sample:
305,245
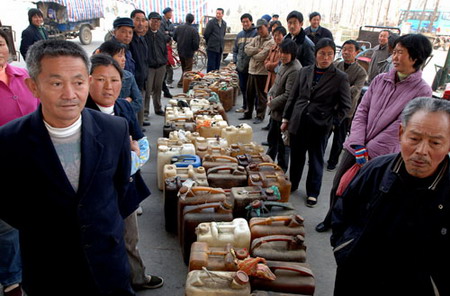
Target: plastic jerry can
217,283
183,136
242,133
272,179
250,148
266,167
219,234
214,130
167,142
215,258
292,277
243,196
171,187
286,225
178,125
165,155
226,96
288,248
196,174
199,104
227,176
186,160
260,208
196,214
247,159
271,293
177,114
214,160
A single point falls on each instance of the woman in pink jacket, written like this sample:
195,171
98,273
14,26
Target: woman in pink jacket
375,127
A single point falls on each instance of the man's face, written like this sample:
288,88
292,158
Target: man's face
275,18
219,14
294,26
425,142
324,57
315,22
263,31
383,38
349,53
154,24
168,15
62,86
246,24
140,24
105,84
124,34
37,20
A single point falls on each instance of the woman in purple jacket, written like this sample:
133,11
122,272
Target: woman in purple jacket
375,127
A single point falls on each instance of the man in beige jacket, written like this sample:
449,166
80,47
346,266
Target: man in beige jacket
258,49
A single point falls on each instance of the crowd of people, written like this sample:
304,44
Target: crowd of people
84,121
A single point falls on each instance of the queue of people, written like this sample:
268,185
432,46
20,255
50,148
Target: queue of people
83,119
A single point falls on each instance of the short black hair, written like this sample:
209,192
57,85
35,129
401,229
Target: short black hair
280,29
289,46
5,36
111,47
32,12
275,15
275,23
101,59
391,40
136,11
221,9
189,18
314,14
296,14
351,41
247,15
325,42
418,46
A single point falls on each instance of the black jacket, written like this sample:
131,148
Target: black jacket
29,36
329,99
139,48
157,49
319,34
215,35
390,231
188,40
305,48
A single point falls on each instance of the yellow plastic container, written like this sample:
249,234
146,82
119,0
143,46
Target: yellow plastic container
242,134
210,126
165,154
219,234
196,174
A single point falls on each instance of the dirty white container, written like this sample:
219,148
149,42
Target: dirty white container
165,154
189,172
183,136
199,104
217,283
219,234
179,114
242,133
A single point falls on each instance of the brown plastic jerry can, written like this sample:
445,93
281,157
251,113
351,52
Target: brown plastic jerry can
291,278
196,214
170,193
286,225
264,208
266,167
243,196
250,148
215,258
196,196
268,179
214,160
227,176
288,248
247,159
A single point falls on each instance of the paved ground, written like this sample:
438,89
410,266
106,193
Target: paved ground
161,251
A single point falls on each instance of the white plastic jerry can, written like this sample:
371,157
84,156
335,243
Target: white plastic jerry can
219,234
217,283
196,174
165,154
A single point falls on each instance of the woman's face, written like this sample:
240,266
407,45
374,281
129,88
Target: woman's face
4,52
120,58
105,85
324,57
402,61
285,58
278,37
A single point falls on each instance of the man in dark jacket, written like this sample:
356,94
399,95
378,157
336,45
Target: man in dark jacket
315,31
215,40
157,60
188,41
305,47
123,33
68,203
240,58
34,32
390,227
139,51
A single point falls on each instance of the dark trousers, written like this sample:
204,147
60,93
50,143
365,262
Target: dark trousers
340,132
186,66
347,161
214,59
243,78
311,139
276,145
255,91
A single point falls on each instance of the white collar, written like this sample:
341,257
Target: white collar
64,132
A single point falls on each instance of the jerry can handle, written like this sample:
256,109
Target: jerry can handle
284,205
207,189
221,168
202,207
256,243
274,165
291,267
288,220
224,157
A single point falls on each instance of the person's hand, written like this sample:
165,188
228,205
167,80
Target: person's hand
135,146
361,155
128,99
284,126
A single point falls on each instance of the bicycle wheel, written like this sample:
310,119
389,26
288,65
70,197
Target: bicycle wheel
200,60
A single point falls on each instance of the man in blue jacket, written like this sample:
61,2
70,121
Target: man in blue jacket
65,174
